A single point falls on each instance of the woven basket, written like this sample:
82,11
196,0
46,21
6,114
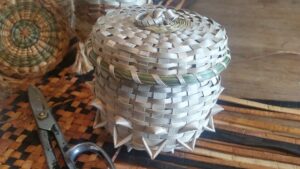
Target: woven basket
33,39
157,76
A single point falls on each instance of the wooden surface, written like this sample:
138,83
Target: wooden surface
258,29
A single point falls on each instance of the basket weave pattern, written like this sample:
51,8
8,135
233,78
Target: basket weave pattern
157,76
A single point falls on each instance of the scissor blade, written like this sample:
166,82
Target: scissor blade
37,100
41,110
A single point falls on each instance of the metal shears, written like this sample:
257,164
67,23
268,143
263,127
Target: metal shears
47,126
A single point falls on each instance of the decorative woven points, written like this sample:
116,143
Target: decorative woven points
32,39
195,51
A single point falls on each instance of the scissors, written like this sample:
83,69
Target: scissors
47,126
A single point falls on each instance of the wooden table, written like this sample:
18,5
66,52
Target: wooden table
264,40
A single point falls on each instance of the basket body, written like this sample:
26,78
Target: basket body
151,115
157,76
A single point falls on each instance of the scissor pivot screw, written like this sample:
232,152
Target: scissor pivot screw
42,115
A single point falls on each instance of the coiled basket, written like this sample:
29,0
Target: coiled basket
33,39
157,74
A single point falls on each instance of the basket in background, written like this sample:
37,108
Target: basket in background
33,40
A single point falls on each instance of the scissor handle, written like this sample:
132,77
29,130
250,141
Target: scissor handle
86,147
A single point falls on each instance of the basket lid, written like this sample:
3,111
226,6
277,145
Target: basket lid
32,39
159,45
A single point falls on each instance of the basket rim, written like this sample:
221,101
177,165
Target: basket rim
170,80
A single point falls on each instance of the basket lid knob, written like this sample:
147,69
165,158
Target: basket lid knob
161,20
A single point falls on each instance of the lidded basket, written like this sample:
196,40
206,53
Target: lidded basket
157,76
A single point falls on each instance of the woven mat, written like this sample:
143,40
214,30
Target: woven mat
243,139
